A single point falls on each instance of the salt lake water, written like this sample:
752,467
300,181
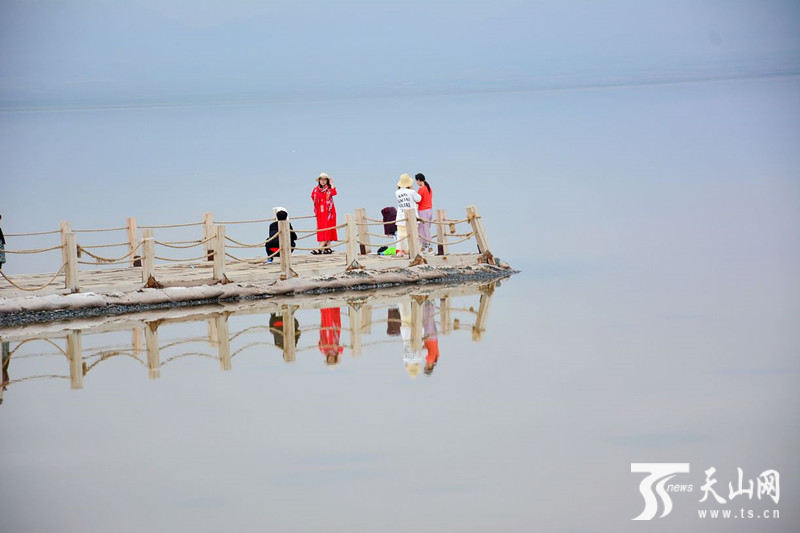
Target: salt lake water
657,231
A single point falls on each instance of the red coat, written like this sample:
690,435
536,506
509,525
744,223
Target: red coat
325,212
330,331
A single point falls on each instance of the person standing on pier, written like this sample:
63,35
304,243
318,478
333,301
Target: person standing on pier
325,211
407,198
425,211
2,246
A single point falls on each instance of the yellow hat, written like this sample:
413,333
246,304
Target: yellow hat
405,181
413,370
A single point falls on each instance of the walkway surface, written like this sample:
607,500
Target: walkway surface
124,280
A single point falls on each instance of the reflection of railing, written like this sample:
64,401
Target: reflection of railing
360,312
141,248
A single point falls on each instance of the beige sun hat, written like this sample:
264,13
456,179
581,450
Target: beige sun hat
323,175
405,181
413,370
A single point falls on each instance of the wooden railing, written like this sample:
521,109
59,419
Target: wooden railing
141,243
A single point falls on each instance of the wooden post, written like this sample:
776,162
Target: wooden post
153,356
413,235
285,245
208,233
444,315
480,235
366,318
148,257
441,235
289,340
355,320
66,228
482,318
352,242
75,355
133,242
224,344
213,334
363,231
219,254
137,340
71,271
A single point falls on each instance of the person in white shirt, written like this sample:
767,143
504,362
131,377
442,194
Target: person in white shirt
407,198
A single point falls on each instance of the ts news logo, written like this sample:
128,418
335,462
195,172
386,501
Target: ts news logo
660,474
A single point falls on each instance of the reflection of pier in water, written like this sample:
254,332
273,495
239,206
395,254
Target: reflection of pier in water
362,308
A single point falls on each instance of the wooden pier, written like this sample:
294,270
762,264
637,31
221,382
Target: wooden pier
364,310
86,268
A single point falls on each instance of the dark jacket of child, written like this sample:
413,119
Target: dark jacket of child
272,244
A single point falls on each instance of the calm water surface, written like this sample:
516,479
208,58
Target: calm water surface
658,234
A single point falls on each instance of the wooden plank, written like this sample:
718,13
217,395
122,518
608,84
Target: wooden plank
153,355
148,256
354,321
441,233
75,355
413,234
224,342
480,235
219,253
289,337
208,233
285,245
71,269
133,241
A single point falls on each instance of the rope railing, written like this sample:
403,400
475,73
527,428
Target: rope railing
106,260
37,251
260,221
355,242
184,260
32,234
26,341
251,261
256,245
165,226
179,244
98,230
95,246
187,354
60,270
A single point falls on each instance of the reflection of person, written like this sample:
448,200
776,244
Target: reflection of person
411,358
330,332
276,328
273,245
2,246
425,208
6,360
430,336
393,322
322,196
407,198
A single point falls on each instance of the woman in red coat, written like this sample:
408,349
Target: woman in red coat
330,332
325,211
